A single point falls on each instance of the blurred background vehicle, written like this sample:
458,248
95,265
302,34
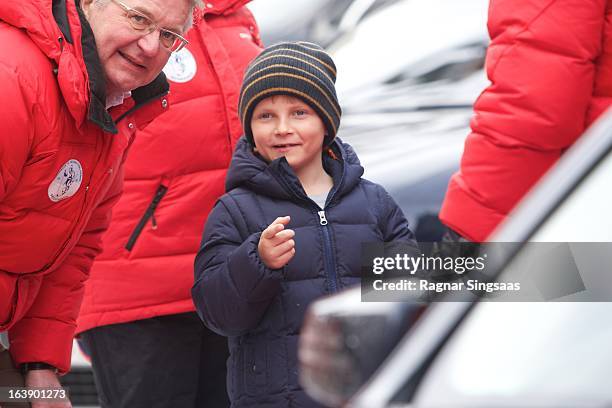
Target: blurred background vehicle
474,353
408,75
319,21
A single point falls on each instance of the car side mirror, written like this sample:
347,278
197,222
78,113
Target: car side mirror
344,341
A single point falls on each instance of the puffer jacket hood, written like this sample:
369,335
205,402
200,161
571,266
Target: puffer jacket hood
46,22
250,171
36,18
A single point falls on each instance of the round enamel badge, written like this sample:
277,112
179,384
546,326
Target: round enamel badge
181,66
67,181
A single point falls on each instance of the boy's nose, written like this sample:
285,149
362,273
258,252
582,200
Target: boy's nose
281,131
282,127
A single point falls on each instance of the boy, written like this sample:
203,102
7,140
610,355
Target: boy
255,276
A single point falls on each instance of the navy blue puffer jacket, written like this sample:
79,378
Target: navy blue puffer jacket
262,310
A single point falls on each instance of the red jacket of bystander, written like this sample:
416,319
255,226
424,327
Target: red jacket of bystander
550,67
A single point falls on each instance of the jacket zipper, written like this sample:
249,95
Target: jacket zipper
329,261
149,213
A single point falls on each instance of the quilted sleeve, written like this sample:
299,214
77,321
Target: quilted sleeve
541,66
233,287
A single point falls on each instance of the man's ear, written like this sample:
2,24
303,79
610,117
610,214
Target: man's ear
85,6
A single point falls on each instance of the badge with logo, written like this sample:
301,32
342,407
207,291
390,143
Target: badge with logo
67,181
181,66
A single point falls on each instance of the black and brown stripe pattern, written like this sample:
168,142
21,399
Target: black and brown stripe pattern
300,69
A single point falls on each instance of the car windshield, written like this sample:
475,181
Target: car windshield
547,353
585,215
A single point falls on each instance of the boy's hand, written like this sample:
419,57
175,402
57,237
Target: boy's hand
276,246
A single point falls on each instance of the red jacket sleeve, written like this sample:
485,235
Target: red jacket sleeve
45,333
541,66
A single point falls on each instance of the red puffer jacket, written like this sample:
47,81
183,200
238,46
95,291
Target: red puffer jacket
174,175
550,66
61,161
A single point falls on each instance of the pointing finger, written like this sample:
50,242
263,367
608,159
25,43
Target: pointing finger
272,230
282,220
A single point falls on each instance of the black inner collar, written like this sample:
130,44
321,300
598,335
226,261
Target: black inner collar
61,17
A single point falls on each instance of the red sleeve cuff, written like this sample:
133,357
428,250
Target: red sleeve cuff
43,340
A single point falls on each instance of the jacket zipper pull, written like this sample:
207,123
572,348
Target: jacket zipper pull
322,219
153,222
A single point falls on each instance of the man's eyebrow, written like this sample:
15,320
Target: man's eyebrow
143,11
177,29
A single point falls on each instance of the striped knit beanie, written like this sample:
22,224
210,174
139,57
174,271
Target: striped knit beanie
299,69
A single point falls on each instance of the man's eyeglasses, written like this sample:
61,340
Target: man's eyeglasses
139,21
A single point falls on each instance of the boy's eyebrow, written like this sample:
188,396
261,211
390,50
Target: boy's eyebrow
262,110
300,104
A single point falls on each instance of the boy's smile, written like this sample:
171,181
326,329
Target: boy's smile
285,147
283,125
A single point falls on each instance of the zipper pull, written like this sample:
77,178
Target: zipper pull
153,222
322,219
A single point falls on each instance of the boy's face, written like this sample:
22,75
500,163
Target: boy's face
283,125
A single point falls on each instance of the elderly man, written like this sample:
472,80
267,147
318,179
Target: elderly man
79,78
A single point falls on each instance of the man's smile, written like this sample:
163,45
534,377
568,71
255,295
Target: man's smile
131,60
